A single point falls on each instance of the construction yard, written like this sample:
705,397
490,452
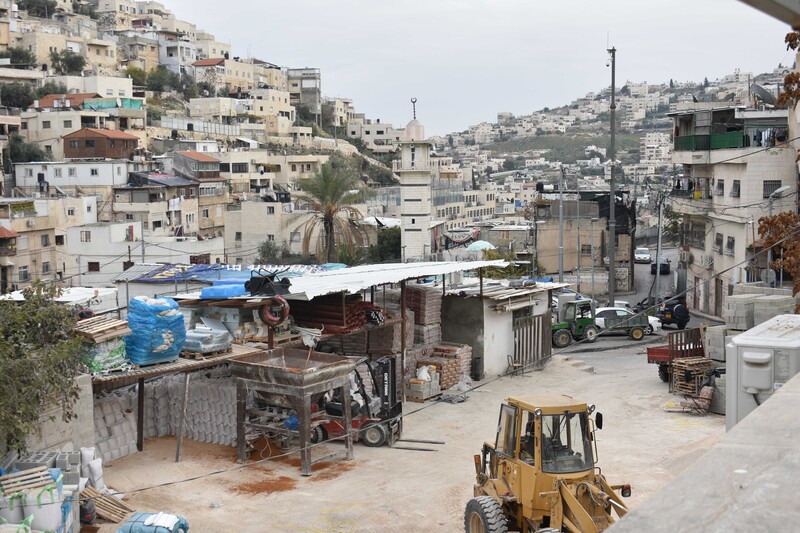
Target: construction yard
386,489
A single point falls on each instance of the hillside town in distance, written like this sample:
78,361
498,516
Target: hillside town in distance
204,255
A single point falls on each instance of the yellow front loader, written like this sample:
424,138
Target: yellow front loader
540,473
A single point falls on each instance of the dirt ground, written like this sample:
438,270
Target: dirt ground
385,489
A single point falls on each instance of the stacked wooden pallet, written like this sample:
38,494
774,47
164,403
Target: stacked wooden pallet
689,373
99,329
32,478
107,506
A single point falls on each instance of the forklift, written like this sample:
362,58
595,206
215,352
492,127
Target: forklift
378,421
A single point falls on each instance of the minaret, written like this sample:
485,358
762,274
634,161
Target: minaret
414,169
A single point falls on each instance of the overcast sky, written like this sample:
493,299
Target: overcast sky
465,60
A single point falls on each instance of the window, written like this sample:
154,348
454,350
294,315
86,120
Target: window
88,209
72,172
94,172
121,92
48,149
28,172
507,431
46,267
294,168
735,188
730,245
720,191
109,92
189,218
68,124
57,172
238,236
60,240
770,186
70,211
128,216
94,266
23,274
89,143
240,168
565,443
45,124
718,243
204,213
270,237
192,192
586,249
156,224
45,238
294,237
86,236
270,210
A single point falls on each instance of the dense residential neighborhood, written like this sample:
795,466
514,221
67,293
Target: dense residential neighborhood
211,252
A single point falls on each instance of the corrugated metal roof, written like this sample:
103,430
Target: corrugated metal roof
135,272
170,181
355,279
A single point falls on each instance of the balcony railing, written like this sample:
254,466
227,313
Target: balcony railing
716,141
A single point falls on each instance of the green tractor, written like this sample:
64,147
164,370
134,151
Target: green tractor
575,321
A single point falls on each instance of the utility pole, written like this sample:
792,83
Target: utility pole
660,198
561,227
612,200
578,207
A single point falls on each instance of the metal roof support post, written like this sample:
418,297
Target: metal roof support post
184,404
140,416
480,276
403,335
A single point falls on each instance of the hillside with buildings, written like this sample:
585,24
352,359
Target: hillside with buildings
131,135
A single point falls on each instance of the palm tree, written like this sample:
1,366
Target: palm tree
331,193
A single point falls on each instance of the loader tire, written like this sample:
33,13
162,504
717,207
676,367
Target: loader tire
484,515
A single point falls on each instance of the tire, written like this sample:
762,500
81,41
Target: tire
561,338
636,333
648,330
682,325
318,434
663,372
590,333
680,313
374,435
484,515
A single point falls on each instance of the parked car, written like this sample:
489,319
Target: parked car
664,266
641,255
619,303
670,309
654,323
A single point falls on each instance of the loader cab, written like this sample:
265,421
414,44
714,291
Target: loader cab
566,443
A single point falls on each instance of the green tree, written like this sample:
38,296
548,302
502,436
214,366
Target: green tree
20,151
67,62
353,255
161,78
511,271
16,94
38,8
671,84
39,362
331,193
20,57
138,76
85,9
188,86
705,82
509,164
388,247
51,87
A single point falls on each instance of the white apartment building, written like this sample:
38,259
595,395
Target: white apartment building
104,86
733,161
177,53
655,147
379,137
48,127
101,251
208,46
33,236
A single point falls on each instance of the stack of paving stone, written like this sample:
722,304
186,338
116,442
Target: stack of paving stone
770,306
737,311
115,425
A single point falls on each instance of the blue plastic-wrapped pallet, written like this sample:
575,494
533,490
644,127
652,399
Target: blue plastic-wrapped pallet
158,330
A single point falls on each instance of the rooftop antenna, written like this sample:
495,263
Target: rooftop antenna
414,107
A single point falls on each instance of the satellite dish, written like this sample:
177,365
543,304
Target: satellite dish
768,276
763,94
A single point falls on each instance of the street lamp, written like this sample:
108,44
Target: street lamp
780,191
591,240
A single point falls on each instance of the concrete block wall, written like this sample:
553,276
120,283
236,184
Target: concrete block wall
737,311
52,433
